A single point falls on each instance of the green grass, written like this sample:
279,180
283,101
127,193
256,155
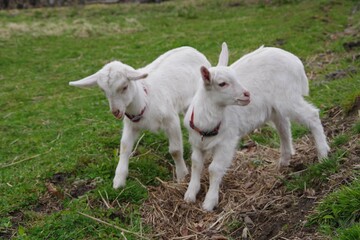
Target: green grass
340,210
340,140
269,136
350,101
316,174
356,128
48,127
351,233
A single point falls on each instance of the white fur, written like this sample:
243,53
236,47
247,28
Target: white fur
165,87
277,83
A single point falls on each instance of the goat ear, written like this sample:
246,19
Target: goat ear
133,75
89,81
205,74
224,55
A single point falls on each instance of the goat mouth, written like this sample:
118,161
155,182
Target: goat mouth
242,102
119,116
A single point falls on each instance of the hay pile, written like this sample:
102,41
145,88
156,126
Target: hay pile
251,189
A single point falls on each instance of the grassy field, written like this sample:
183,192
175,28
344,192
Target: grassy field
59,145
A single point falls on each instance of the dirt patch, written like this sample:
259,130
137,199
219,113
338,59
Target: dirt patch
49,202
279,42
59,178
340,73
337,122
62,185
16,219
254,202
80,187
317,63
349,46
355,108
59,187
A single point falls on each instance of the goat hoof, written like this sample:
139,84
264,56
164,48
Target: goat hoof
118,183
189,197
284,163
209,204
180,176
323,153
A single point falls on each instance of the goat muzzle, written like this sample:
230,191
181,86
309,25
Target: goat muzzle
117,114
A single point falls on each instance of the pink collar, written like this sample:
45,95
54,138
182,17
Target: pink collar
137,118
211,133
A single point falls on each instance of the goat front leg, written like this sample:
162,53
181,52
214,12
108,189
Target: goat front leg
222,159
197,165
127,143
173,132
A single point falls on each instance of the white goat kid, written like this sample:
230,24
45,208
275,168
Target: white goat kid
277,83
151,98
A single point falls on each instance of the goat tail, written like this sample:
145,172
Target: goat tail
304,84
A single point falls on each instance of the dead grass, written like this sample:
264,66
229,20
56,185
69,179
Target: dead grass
78,28
250,188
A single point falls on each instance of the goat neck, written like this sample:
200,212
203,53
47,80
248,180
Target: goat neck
139,102
207,114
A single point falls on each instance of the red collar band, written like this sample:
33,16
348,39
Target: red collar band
211,133
137,118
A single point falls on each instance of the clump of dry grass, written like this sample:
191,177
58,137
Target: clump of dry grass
252,185
78,28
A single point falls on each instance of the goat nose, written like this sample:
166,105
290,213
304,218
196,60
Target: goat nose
247,94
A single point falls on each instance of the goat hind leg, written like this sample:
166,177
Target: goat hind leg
283,126
173,132
308,115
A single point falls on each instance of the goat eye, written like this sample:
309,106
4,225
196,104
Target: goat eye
124,88
223,84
